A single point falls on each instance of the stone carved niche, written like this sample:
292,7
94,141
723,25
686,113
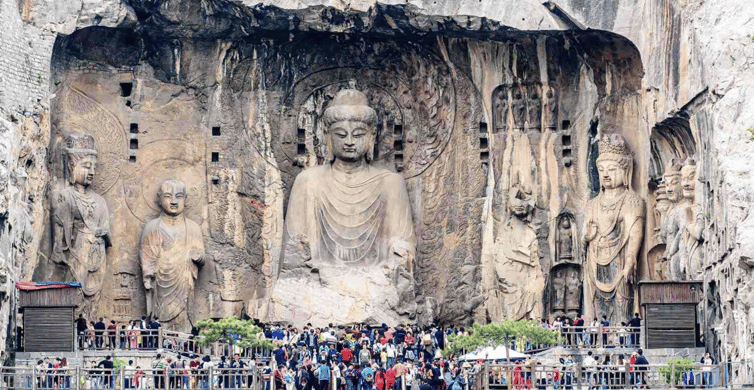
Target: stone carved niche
566,280
237,114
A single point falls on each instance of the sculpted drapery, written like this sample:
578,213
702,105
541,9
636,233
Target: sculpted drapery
81,221
172,250
614,226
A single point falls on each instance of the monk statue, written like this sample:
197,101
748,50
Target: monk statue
614,228
520,282
350,217
171,252
81,221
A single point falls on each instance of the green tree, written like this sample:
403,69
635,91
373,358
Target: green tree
674,377
231,330
501,333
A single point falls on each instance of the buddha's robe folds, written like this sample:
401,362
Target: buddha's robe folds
608,290
165,256
351,219
76,220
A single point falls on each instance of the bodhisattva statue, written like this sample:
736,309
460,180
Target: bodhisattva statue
349,217
81,221
692,223
172,251
670,232
614,228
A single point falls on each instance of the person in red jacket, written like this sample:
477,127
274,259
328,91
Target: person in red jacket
346,355
382,380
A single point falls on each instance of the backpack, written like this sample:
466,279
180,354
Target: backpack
456,386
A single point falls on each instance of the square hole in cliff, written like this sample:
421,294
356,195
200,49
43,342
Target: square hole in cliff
216,131
133,144
134,129
125,89
215,156
566,140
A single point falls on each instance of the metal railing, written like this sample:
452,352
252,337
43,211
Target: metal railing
601,336
93,378
576,376
149,339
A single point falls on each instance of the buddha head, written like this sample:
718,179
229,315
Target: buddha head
688,178
672,178
81,159
350,125
172,197
521,201
615,162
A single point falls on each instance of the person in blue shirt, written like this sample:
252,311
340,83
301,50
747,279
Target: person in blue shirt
323,374
367,378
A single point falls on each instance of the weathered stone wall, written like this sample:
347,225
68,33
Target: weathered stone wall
696,56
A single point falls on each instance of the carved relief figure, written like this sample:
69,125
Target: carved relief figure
551,108
520,282
518,107
669,226
566,281
500,109
171,253
349,211
81,221
614,228
565,240
534,107
692,223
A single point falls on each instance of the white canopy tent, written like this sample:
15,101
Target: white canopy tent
492,353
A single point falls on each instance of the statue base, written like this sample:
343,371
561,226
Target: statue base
338,295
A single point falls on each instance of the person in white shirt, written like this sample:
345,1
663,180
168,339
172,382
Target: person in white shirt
588,367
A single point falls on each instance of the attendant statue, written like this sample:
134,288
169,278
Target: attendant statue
614,228
670,229
81,221
349,219
565,241
171,253
693,223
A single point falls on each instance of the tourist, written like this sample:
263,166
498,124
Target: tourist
641,364
107,372
707,363
635,325
140,381
605,324
112,329
81,329
99,330
128,375
158,370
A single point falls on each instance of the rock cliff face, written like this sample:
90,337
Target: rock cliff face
228,97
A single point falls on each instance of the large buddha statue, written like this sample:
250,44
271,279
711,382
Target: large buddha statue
81,221
171,253
348,222
614,228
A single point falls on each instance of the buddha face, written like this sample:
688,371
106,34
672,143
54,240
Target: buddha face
673,187
520,203
612,174
688,181
173,198
351,140
83,170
